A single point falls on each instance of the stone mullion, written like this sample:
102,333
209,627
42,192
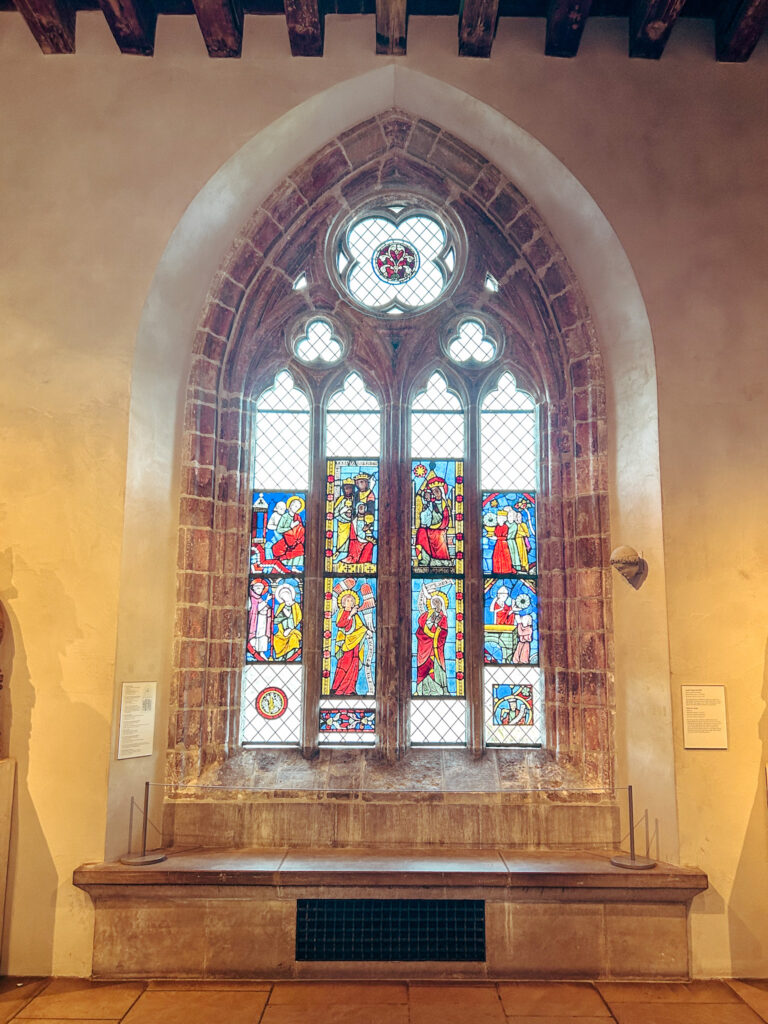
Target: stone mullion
472,582
393,615
314,584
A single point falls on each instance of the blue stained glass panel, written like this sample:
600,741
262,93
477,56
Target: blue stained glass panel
349,637
347,720
510,621
509,532
351,515
437,509
278,521
274,619
437,646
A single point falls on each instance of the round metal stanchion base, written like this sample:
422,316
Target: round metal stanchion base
147,858
623,860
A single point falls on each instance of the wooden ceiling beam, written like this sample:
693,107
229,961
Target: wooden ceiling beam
221,23
738,27
477,27
391,26
305,27
565,24
132,23
51,22
650,24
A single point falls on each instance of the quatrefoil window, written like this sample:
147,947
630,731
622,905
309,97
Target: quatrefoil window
471,343
396,259
318,344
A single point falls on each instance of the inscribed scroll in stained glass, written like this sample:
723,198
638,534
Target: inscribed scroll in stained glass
437,649
509,532
351,516
274,619
349,637
437,530
341,719
511,622
277,532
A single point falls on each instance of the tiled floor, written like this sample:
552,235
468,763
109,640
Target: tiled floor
73,1001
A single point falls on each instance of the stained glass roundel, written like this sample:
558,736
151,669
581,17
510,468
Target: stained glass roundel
395,262
395,259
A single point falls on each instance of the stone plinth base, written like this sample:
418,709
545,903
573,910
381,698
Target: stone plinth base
232,913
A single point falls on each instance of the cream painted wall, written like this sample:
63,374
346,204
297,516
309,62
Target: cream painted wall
101,155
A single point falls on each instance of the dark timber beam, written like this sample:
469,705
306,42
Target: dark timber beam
477,27
650,23
391,26
132,23
221,22
738,27
51,22
565,23
305,27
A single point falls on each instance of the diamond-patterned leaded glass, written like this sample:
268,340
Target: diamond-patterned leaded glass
437,422
318,344
471,343
396,260
514,706
272,682
353,426
272,704
512,691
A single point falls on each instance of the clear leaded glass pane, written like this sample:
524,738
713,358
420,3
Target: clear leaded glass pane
514,706
396,260
353,427
318,344
271,701
351,515
438,723
437,422
282,437
508,438
471,343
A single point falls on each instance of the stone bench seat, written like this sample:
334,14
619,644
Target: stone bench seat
232,912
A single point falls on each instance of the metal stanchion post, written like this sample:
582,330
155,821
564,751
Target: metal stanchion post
632,861
144,857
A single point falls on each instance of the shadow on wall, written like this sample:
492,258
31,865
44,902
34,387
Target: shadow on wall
749,957
15,674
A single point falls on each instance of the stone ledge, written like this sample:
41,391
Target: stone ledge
560,876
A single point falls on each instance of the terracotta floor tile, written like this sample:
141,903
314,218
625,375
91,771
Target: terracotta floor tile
78,999
332,1013
666,992
684,1013
564,999
75,1020
198,1007
455,1004
548,1019
217,985
341,993
15,993
754,994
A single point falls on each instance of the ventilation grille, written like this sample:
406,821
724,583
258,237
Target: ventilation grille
390,930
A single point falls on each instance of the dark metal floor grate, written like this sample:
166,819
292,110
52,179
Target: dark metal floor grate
390,930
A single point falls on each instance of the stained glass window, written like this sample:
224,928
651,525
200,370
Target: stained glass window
396,259
352,445
513,685
272,685
438,707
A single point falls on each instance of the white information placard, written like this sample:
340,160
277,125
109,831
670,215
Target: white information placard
704,725
137,720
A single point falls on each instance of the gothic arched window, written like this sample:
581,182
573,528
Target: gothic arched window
366,564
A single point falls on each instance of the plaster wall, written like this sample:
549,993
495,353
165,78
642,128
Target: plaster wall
101,156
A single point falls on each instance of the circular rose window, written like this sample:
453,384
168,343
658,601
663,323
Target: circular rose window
395,259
